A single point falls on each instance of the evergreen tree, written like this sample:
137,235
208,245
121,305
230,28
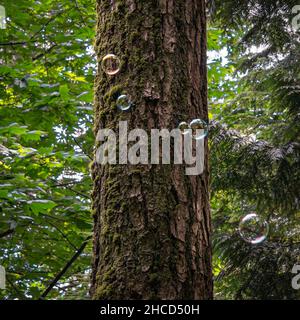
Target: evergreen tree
255,150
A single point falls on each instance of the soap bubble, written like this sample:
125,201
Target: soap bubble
253,229
199,128
124,103
184,127
111,64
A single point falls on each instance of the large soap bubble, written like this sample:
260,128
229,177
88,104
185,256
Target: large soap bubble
199,129
124,103
253,229
184,127
111,64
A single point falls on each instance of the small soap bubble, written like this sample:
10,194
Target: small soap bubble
199,129
124,103
111,64
253,229
184,127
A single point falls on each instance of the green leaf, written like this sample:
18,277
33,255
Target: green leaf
33,135
4,194
64,92
41,206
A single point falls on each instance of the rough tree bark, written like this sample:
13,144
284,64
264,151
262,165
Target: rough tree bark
152,222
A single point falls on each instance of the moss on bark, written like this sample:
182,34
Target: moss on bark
152,223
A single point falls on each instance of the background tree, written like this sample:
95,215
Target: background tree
257,167
46,76
152,223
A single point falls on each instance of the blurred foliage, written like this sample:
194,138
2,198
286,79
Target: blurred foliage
255,146
46,78
47,67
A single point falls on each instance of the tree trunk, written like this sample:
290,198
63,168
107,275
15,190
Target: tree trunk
152,222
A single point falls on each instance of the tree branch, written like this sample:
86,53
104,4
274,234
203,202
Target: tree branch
84,152
44,53
80,13
65,269
62,234
12,43
7,233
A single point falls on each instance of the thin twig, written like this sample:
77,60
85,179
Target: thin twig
64,184
46,24
79,10
19,293
78,144
12,43
65,269
63,235
75,191
78,193
44,53
7,233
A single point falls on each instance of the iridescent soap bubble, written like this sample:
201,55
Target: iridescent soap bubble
111,64
199,129
184,127
253,229
124,103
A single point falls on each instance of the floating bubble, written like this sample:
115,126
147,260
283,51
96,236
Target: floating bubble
199,129
253,229
124,103
184,127
111,64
